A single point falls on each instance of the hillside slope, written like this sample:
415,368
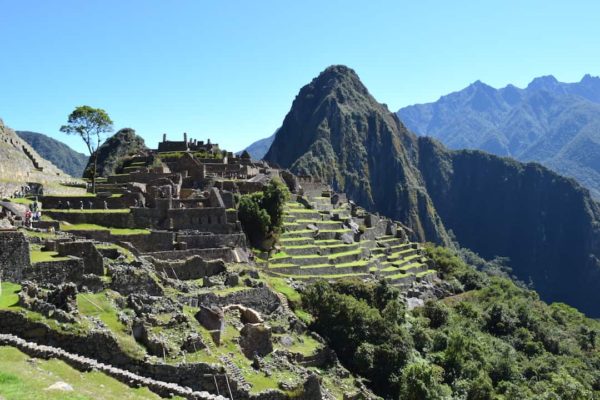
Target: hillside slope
122,144
20,163
56,152
546,224
555,123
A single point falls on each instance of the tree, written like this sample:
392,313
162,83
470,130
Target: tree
275,196
255,219
90,124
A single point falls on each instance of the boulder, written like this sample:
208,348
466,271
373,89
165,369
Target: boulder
256,339
346,238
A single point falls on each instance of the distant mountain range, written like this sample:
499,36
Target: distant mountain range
546,224
56,152
551,122
258,149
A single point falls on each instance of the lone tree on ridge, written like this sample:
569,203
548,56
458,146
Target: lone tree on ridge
90,124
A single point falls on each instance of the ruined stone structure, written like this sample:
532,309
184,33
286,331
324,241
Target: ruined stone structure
14,255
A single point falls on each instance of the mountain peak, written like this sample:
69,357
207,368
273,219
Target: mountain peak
543,82
587,78
336,76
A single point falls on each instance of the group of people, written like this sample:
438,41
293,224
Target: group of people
33,213
67,205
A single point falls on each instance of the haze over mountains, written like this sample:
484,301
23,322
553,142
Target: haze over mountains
545,223
554,123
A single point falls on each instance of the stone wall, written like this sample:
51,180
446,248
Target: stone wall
225,254
14,255
204,241
115,220
155,241
125,201
101,346
262,299
85,364
92,259
55,272
192,268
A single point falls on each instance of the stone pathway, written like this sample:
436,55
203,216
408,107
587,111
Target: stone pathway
164,389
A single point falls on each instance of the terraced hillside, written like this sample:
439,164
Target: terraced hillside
320,241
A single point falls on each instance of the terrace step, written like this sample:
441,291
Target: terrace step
402,254
296,241
306,233
301,250
414,268
309,260
346,257
328,234
338,248
401,279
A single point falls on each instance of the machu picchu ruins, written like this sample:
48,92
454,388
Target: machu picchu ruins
156,266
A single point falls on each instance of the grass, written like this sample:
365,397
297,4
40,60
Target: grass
281,254
41,235
334,230
22,379
283,265
9,294
302,246
345,253
36,255
94,227
329,276
101,305
281,286
22,200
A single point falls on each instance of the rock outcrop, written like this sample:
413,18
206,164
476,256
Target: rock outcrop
124,143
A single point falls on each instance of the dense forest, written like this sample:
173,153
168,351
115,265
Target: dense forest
492,339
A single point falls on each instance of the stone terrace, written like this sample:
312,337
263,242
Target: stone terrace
323,240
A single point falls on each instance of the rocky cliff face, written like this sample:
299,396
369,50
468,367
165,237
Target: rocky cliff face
546,224
20,163
122,144
337,131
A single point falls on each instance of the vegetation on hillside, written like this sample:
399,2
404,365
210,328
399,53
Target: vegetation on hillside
261,213
115,149
495,340
58,153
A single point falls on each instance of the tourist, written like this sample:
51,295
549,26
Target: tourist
28,218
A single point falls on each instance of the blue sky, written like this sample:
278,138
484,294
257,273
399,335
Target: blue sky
229,70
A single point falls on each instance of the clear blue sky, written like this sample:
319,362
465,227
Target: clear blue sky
229,70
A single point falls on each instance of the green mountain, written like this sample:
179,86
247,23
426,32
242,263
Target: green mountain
554,123
122,144
546,224
56,152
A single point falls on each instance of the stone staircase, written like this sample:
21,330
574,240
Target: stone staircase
318,242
